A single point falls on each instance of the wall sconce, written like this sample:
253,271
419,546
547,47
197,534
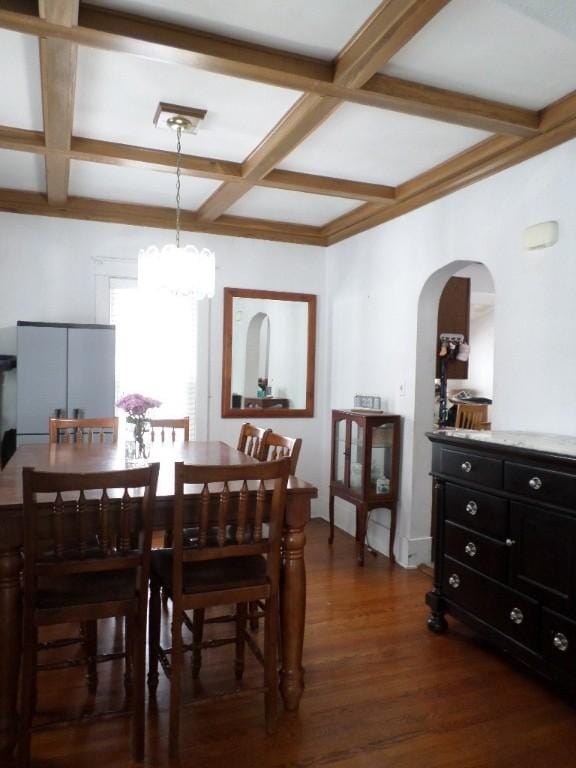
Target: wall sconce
540,236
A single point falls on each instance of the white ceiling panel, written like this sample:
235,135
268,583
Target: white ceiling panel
300,26
296,207
20,87
136,185
117,95
22,170
497,49
369,144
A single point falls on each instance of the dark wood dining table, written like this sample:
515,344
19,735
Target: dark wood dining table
104,457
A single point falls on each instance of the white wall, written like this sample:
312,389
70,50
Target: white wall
55,270
374,281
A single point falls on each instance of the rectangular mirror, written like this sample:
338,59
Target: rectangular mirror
269,354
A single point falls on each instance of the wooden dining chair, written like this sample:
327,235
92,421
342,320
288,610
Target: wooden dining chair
471,416
169,426
250,439
66,580
83,430
274,446
80,431
222,572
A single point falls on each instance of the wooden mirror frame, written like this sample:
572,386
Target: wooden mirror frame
272,413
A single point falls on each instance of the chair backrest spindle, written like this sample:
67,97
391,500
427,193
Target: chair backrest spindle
276,446
83,430
245,495
65,514
251,439
172,425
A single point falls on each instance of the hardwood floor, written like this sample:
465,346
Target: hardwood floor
381,690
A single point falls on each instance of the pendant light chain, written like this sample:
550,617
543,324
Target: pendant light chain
178,161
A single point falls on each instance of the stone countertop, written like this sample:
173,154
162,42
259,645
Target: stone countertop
560,445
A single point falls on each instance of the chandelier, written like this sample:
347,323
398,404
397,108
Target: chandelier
183,270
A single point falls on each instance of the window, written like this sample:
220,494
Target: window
156,348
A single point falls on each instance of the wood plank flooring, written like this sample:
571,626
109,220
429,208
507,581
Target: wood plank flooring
381,691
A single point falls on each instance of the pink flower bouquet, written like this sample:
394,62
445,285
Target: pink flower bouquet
136,406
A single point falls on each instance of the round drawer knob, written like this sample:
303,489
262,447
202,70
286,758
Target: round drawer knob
472,508
516,616
466,466
454,581
561,641
471,549
510,542
535,483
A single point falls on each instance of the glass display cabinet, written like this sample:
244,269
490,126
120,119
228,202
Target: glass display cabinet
365,467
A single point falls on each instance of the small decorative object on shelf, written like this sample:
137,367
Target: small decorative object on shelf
367,402
262,388
137,406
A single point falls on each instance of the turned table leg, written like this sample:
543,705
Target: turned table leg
10,642
293,613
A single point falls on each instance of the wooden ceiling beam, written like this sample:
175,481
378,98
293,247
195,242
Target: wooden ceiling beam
88,209
96,151
392,24
303,118
58,66
447,106
327,185
484,160
109,30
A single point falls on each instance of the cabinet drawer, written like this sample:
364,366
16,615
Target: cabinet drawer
559,641
474,509
540,485
476,551
509,612
472,467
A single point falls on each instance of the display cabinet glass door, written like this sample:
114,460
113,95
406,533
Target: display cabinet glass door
356,454
339,449
381,458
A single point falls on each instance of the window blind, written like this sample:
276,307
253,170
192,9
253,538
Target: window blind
156,348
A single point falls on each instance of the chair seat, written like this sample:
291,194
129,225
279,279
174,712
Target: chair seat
211,575
87,588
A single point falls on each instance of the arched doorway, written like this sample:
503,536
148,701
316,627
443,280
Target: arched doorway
482,308
257,352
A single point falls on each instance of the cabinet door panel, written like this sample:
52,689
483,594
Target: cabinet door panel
91,372
357,453
339,451
41,376
543,557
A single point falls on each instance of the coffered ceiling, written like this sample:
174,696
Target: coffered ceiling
323,118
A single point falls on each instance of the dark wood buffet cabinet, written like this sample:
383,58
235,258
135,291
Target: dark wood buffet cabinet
365,466
505,544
